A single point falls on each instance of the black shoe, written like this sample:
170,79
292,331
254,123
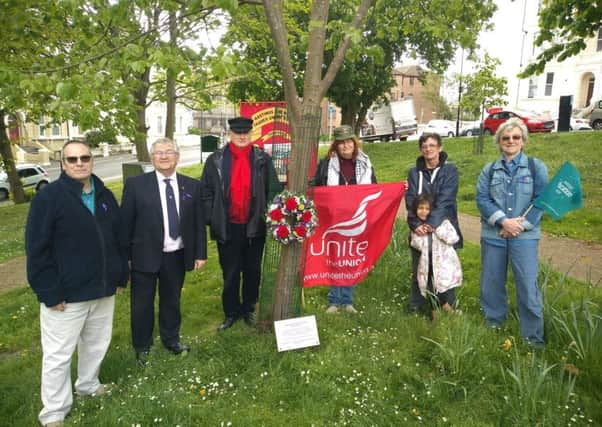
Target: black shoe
228,322
142,358
250,318
178,348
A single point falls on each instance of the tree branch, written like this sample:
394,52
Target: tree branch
275,18
117,47
339,55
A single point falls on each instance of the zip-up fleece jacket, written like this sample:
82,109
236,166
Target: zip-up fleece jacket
72,255
215,192
442,185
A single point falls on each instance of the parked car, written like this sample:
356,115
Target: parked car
32,176
472,129
593,113
533,121
576,123
442,127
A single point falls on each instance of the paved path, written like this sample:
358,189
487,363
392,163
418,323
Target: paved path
580,260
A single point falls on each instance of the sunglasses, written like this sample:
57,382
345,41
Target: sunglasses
73,159
514,138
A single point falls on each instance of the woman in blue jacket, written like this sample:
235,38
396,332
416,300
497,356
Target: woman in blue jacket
510,231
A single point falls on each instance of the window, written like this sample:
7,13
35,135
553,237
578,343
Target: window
42,126
599,46
411,81
549,83
26,173
159,125
532,87
56,130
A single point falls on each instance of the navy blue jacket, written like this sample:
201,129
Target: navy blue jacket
443,189
72,255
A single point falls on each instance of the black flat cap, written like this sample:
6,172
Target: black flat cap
240,124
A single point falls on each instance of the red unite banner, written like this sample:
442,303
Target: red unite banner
270,132
355,224
270,123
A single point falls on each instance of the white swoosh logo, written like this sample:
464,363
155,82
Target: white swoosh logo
357,224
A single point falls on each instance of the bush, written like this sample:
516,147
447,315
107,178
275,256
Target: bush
95,137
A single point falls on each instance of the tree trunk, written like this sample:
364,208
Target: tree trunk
170,85
9,162
479,143
305,134
141,129
348,118
304,121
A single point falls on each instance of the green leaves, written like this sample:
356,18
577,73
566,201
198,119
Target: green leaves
564,25
483,87
66,90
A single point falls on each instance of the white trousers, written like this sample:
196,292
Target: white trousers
87,325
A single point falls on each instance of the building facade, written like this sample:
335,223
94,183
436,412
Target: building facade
409,83
579,76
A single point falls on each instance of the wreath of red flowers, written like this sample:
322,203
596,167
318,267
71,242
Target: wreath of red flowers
291,217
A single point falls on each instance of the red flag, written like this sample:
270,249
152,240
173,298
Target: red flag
355,227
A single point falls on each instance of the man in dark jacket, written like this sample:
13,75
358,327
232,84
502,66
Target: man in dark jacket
75,262
166,237
431,175
238,182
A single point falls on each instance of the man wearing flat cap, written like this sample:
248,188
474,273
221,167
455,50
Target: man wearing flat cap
238,182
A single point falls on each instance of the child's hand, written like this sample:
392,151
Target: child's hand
423,229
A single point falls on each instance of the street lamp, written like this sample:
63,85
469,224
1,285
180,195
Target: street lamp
459,93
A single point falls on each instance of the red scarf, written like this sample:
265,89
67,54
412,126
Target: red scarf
240,184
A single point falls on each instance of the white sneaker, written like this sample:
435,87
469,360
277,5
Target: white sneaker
350,309
332,309
100,391
54,424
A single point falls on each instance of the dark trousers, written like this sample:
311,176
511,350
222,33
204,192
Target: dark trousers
170,278
240,257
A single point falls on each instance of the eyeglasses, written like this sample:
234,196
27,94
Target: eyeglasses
165,153
514,137
73,159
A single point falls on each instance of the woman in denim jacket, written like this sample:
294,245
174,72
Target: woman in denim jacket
510,231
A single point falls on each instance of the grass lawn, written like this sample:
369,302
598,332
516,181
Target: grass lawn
382,367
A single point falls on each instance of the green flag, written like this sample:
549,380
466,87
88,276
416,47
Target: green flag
562,194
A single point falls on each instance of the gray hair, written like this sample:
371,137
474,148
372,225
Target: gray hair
75,141
165,141
509,124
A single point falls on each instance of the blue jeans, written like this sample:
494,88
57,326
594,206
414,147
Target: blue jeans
522,256
341,295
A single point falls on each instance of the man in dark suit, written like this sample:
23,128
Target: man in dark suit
238,182
166,233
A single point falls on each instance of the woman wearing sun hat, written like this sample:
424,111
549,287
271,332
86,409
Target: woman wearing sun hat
344,164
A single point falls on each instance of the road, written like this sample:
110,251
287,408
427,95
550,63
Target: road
109,168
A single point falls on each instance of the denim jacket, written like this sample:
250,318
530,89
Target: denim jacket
503,195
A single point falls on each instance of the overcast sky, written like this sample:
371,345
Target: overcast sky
504,42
